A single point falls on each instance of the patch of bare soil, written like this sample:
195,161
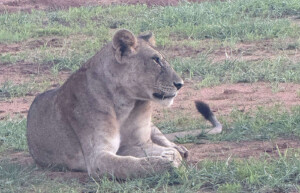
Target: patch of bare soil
31,44
18,106
228,150
255,51
28,5
21,73
182,51
222,99
242,96
24,72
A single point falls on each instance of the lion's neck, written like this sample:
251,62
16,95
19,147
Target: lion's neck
136,124
115,96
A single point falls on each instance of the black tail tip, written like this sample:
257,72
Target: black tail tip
204,109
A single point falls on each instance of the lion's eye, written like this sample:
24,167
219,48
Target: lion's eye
157,60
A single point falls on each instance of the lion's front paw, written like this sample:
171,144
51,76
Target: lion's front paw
172,155
157,164
182,150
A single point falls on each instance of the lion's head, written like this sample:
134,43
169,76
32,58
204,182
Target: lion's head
142,69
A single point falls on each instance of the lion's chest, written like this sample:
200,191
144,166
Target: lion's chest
135,127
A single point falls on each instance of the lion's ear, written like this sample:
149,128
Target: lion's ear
148,37
124,42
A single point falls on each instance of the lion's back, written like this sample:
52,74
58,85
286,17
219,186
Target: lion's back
40,107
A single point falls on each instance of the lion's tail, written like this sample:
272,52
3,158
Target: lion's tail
205,111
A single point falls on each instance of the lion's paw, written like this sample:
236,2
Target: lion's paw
172,155
182,150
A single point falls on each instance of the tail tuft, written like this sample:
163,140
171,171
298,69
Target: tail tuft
204,109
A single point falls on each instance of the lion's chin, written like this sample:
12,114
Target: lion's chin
163,96
166,102
163,99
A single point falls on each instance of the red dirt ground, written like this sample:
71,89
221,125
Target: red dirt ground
243,96
28,5
221,98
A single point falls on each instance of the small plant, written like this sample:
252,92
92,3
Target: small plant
298,93
7,59
12,134
230,188
10,90
275,86
208,81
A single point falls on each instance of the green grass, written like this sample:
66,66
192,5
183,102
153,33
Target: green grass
298,93
281,174
64,61
280,69
88,28
16,178
260,124
263,123
240,19
8,89
267,174
8,58
12,134
253,175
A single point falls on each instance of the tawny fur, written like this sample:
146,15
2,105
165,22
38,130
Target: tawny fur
99,120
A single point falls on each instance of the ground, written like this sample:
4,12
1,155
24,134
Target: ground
28,5
222,98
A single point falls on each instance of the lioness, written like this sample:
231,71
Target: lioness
99,120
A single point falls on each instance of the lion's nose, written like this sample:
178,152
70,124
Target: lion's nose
178,85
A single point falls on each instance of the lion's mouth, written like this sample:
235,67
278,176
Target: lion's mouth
163,96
